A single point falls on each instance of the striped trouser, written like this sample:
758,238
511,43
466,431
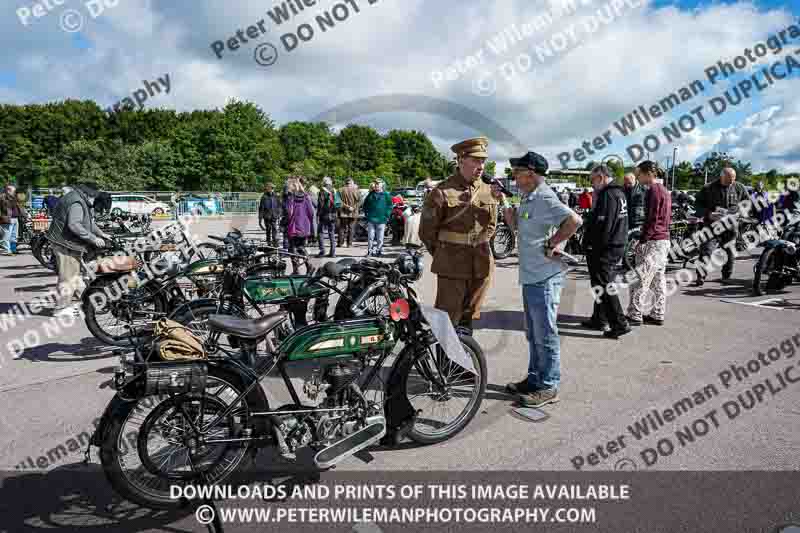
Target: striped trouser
649,294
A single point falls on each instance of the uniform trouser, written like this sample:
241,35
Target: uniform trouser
651,266
347,228
707,249
462,298
69,275
271,230
329,228
603,270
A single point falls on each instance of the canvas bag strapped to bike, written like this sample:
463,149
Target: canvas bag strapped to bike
175,342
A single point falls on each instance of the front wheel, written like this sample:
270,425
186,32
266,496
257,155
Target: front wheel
630,249
767,272
502,242
445,395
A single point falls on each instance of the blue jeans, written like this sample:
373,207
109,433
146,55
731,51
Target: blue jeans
8,235
541,301
375,235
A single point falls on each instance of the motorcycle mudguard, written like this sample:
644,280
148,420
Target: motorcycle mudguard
776,244
256,400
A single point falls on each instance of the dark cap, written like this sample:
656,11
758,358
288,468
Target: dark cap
531,160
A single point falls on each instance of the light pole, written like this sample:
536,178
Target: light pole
674,162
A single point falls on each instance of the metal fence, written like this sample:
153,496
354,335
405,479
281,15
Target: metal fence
200,203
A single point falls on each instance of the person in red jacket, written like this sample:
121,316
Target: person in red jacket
585,200
652,250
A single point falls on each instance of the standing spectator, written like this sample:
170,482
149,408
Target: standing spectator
348,213
269,210
328,203
377,209
763,210
789,200
544,222
714,201
284,215
73,233
8,222
573,199
50,201
652,250
606,237
563,196
300,218
313,194
585,200
634,195
396,219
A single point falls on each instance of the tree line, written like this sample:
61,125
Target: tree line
237,148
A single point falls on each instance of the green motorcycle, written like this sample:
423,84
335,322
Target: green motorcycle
201,421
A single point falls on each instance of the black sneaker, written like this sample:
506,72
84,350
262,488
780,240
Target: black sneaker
634,322
321,254
332,254
591,324
726,275
520,387
617,333
653,321
698,282
538,398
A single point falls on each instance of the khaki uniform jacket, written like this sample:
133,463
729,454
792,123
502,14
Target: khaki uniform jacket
458,219
351,200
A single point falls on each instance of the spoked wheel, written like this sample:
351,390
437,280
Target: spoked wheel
110,314
630,250
767,274
502,242
150,445
445,395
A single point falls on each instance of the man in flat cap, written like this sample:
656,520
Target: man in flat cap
459,217
544,223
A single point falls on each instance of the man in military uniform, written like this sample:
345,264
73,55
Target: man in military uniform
458,219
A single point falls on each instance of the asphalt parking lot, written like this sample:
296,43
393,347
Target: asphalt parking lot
611,391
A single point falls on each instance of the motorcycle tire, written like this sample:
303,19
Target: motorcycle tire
416,372
123,445
91,313
629,255
764,279
502,242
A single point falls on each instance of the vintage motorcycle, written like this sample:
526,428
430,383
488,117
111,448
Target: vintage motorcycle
200,421
779,264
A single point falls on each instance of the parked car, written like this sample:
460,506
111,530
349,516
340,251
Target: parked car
199,205
138,204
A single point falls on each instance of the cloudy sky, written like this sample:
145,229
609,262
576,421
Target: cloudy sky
385,63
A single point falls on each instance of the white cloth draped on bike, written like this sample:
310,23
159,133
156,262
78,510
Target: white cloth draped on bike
443,330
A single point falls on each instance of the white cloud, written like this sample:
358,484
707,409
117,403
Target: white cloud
393,47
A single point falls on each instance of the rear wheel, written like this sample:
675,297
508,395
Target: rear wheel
767,275
148,446
630,249
112,316
446,395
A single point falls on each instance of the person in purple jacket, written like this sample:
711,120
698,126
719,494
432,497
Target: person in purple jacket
652,251
300,216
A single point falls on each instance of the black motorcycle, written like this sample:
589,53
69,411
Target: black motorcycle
779,264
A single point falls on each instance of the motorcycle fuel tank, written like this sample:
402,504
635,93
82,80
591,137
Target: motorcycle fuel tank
272,290
331,339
